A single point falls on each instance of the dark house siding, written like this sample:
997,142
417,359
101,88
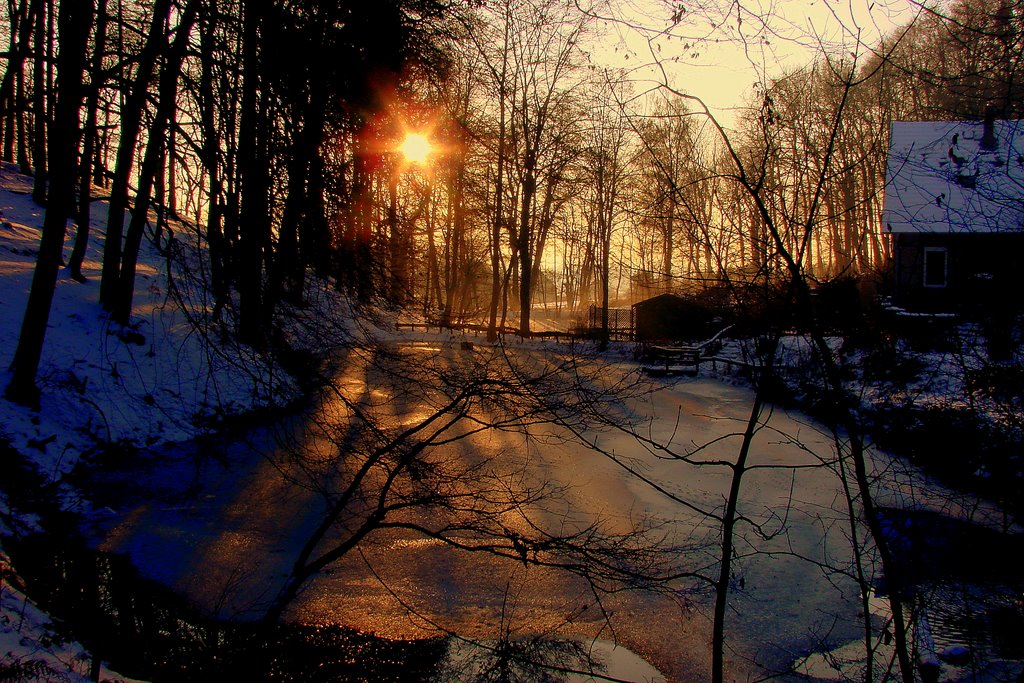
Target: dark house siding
958,272
671,318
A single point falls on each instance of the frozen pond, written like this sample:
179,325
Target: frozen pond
225,530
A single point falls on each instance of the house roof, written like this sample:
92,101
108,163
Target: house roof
943,177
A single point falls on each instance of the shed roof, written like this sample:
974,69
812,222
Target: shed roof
940,177
659,299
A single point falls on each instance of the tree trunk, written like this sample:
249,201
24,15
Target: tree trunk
668,245
499,194
211,161
605,229
170,194
732,516
457,271
131,126
11,91
254,214
74,21
39,114
397,265
90,137
151,164
495,245
525,265
314,234
24,158
288,280
362,244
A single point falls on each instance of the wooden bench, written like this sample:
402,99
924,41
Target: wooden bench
666,360
681,358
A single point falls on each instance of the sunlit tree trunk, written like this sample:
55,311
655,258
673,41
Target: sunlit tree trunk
457,258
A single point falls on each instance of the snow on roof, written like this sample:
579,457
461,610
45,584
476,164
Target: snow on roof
940,177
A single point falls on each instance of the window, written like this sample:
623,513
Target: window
935,267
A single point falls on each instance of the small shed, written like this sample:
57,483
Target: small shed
671,318
954,206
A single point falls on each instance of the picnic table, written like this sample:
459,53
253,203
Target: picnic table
665,359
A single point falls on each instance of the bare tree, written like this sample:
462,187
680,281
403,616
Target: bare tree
426,478
530,63
75,22
130,120
787,201
13,105
607,160
90,140
156,146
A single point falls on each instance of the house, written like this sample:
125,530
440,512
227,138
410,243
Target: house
671,318
954,206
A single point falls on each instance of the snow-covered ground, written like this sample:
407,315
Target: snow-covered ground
156,381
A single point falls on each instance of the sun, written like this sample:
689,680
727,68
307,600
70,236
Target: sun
416,148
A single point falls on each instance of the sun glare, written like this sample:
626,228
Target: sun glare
416,148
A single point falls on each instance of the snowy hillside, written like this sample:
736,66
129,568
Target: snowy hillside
156,381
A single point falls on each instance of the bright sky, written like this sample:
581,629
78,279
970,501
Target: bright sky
704,55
